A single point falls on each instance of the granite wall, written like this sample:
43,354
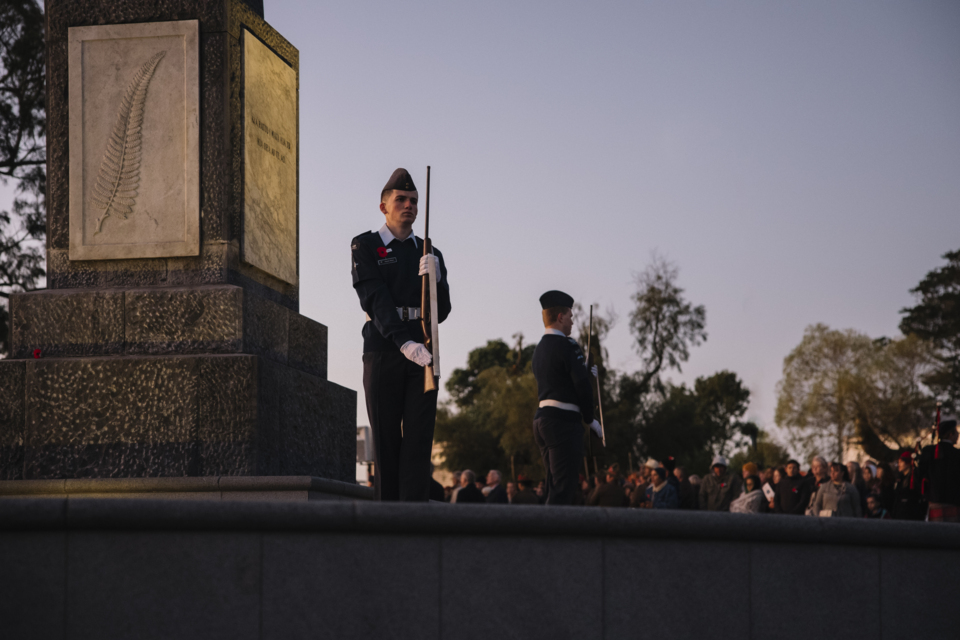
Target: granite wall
117,569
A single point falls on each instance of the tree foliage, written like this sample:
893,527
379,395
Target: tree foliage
22,150
936,319
488,423
841,388
663,323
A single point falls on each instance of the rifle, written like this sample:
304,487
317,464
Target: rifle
603,433
428,306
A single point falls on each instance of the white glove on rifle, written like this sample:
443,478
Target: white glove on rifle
595,371
416,352
423,265
597,429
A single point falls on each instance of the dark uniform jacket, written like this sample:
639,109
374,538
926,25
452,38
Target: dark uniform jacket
562,375
793,495
942,474
385,277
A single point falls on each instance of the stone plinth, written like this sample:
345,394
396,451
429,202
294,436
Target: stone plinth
169,344
176,415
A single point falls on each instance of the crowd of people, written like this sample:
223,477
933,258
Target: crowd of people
923,485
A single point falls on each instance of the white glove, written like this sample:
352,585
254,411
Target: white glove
416,352
596,428
595,371
423,266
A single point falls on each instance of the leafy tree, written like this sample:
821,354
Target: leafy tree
663,323
721,402
22,150
764,452
488,423
841,388
936,318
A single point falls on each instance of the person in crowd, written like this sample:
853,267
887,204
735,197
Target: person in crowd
494,491
695,481
819,474
886,479
661,494
874,510
469,492
525,493
687,492
793,491
752,499
670,464
766,476
907,500
749,469
776,475
856,479
939,467
511,491
607,492
869,475
541,492
454,488
639,495
719,487
836,497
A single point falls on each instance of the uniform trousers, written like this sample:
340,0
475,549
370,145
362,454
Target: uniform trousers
402,418
559,434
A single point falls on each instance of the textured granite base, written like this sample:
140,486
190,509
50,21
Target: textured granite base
170,416
270,488
164,320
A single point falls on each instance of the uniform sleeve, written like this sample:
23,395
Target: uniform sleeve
443,289
581,382
375,298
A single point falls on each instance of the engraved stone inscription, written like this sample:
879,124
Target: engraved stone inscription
134,141
270,198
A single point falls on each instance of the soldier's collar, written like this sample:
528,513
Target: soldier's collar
556,332
387,236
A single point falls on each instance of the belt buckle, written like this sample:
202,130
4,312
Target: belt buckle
405,313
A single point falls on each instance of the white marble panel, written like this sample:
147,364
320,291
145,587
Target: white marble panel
134,141
271,151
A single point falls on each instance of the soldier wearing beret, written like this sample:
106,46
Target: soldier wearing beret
387,269
566,398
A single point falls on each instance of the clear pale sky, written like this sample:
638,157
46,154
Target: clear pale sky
799,162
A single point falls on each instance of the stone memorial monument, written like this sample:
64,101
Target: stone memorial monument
169,342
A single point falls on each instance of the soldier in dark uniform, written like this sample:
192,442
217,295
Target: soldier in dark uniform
387,265
939,473
566,399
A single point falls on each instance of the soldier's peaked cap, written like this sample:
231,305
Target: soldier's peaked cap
948,425
553,299
401,180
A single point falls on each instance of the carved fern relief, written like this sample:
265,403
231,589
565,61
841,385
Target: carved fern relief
115,192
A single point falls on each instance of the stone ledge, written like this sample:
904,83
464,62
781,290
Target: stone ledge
473,520
213,488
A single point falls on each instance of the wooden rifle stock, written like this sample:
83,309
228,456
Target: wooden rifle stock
428,305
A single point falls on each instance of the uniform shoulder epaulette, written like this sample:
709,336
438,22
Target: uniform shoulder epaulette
573,341
363,238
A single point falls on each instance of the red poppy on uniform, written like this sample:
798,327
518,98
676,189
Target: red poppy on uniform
382,252
36,353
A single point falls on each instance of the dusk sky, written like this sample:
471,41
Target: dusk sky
799,162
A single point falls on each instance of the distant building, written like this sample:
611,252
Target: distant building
364,455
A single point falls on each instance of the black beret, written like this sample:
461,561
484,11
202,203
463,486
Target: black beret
400,180
947,426
553,299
